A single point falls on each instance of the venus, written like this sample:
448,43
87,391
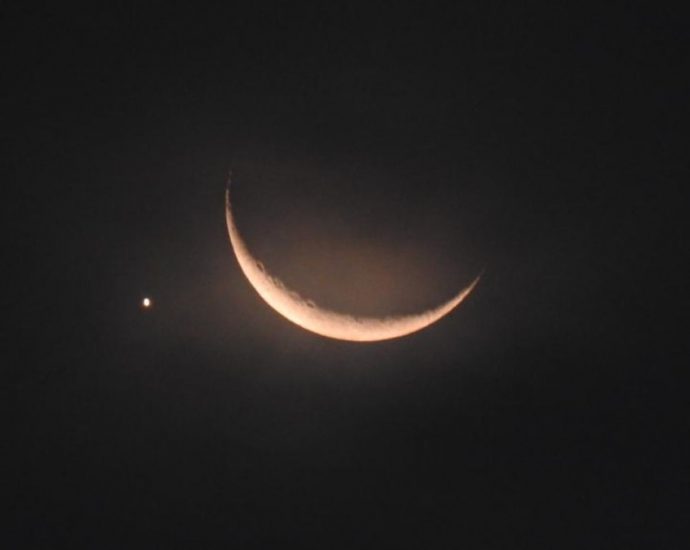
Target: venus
332,324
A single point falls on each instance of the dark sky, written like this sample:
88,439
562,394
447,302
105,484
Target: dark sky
381,158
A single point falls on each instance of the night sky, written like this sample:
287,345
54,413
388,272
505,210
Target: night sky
381,159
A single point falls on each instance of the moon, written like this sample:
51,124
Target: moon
332,324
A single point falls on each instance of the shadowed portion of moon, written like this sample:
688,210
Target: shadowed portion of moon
332,324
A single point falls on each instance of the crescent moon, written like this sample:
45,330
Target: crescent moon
332,324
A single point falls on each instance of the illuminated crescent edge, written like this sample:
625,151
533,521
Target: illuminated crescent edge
308,315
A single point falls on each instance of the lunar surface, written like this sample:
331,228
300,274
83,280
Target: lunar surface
332,324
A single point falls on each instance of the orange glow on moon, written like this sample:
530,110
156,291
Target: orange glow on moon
308,315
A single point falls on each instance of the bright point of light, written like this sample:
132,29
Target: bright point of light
146,302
